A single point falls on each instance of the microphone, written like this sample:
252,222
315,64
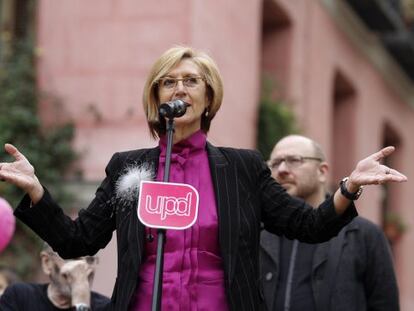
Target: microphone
173,109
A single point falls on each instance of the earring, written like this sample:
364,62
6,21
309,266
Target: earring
206,113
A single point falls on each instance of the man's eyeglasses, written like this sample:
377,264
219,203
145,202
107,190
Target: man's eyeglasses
170,83
293,161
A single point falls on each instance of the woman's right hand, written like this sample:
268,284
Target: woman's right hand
21,174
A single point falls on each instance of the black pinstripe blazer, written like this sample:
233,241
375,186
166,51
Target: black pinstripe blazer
246,195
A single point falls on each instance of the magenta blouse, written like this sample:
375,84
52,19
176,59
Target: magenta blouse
193,277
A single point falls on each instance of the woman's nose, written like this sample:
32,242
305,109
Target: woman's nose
180,88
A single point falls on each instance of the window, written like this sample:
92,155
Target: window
16,21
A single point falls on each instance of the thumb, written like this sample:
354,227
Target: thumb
384,152
14,152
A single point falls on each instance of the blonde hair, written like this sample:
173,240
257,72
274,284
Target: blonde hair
167,61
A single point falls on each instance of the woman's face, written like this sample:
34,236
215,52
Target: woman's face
192,90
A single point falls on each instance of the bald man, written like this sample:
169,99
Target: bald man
353,271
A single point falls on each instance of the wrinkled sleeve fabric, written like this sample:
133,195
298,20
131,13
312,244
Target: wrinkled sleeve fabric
89,232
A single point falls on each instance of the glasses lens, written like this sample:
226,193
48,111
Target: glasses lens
276,163
190,81
168,83
290,161
293,161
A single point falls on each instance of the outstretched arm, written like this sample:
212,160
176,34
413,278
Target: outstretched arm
368,171
91,231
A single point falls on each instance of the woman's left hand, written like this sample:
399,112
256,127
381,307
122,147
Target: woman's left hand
370,171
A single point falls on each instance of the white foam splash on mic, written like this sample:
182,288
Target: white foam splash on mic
127,186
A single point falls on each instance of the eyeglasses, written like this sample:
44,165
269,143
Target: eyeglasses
170,83
293,161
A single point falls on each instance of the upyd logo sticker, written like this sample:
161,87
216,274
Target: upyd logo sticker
167,205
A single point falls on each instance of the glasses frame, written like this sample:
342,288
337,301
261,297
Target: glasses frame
176,80
288,161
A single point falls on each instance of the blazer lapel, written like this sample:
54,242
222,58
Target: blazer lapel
271,244
330,252
224,177
320,255
322,251
136,230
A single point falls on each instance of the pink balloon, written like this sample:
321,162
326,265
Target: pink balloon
7,224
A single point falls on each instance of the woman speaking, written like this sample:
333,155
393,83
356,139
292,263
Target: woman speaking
214,264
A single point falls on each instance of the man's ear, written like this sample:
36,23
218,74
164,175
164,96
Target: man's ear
323,172
47,262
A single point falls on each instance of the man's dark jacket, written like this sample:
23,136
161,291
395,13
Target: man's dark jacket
34,297
364,277
246,194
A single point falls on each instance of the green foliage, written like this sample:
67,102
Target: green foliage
396,220
49,150
275,120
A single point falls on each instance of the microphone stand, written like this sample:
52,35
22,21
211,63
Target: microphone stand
159,264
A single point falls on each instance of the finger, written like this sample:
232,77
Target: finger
7,177
384,178
395,173
390,178
384,152
390,171
14,152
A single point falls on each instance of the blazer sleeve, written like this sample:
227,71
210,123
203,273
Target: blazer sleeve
285,215
89,232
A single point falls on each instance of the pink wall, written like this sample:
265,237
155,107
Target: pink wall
95,57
